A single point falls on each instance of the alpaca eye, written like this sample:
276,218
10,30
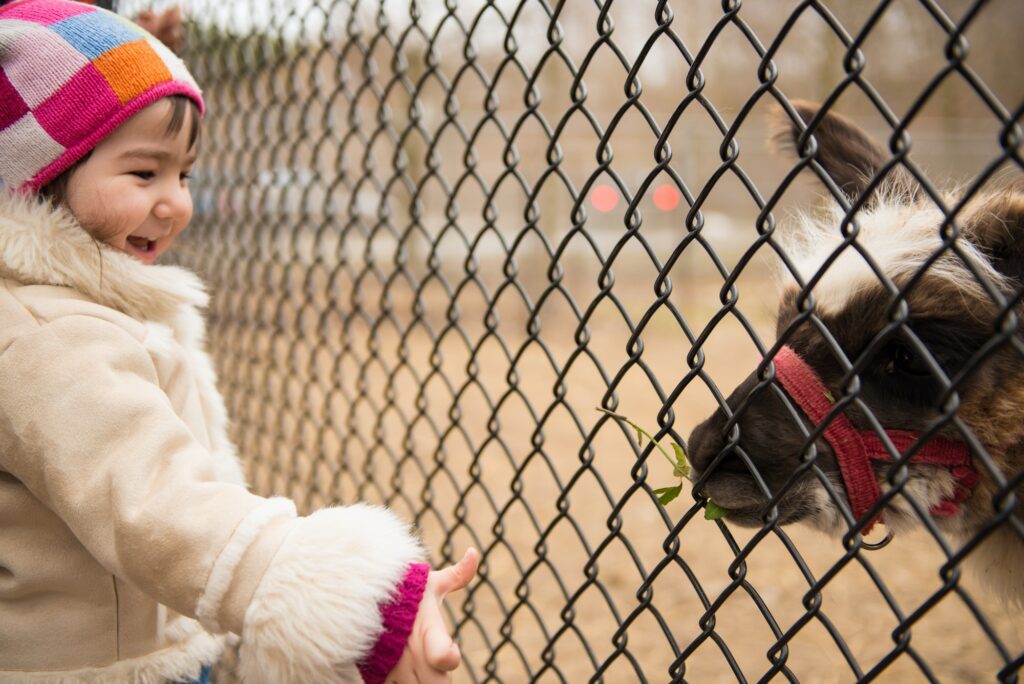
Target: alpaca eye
906,362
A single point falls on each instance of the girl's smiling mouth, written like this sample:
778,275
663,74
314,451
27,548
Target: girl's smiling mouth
141,248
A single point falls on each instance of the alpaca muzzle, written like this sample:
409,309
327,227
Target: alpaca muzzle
855,449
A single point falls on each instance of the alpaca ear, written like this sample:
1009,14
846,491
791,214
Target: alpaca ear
848,154
995,223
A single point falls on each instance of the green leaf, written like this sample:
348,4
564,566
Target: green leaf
682,468
639,436
831,399
713,511
666,494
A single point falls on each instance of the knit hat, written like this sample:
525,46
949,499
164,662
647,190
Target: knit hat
70,74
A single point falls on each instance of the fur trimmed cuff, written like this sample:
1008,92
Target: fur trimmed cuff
398,616
316,611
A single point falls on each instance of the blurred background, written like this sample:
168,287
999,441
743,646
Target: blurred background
440,234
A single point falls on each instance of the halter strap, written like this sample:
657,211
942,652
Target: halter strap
855,449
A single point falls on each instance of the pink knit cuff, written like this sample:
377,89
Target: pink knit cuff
397,616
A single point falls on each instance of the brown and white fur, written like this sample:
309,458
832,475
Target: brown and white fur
950,313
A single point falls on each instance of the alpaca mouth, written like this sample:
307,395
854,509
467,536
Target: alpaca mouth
734,492
748,504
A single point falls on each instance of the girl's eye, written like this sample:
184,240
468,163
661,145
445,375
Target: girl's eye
144,175
186,175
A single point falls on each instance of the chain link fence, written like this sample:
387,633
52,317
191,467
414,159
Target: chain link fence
440,235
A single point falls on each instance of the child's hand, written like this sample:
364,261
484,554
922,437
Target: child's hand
166,26
430,655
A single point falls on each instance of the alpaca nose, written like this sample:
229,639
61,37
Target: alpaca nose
710,437
705,442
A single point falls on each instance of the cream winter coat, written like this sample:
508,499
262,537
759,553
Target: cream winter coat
128,542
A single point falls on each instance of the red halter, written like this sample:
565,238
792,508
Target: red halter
854,449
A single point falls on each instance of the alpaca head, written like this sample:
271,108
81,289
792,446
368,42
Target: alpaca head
905,331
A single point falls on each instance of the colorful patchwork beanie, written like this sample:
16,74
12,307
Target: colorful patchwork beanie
70,74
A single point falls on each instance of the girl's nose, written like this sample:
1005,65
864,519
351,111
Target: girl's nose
174,203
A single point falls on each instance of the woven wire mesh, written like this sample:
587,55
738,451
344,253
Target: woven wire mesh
440,235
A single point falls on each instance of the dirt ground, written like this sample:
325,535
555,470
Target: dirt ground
486,433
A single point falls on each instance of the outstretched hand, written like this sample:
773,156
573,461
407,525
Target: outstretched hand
431,654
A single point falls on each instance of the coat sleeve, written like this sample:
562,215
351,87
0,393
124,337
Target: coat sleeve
86,427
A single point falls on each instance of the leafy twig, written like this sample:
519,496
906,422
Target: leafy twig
680,467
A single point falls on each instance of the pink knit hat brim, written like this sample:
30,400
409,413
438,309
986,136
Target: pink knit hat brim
76,152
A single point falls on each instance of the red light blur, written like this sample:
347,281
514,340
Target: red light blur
604,198
666,197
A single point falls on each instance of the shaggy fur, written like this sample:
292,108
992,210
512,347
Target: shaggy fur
898,254
46,245
950,314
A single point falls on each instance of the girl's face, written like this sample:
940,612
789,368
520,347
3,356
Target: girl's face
132,192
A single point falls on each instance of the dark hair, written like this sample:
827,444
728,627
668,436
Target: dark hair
179,105
56,191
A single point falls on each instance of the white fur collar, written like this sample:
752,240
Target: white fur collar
43,245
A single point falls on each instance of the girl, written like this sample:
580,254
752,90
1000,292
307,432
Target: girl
129,546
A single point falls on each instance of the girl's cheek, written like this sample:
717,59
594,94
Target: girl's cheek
111,229
98,227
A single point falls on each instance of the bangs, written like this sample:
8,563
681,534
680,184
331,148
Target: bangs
184,109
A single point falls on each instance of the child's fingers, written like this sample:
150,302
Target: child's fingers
441,651
457,576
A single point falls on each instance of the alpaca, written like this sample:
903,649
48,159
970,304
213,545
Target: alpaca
909,324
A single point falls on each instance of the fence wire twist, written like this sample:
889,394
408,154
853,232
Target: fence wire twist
439,235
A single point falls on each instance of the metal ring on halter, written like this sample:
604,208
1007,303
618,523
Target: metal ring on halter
878,545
